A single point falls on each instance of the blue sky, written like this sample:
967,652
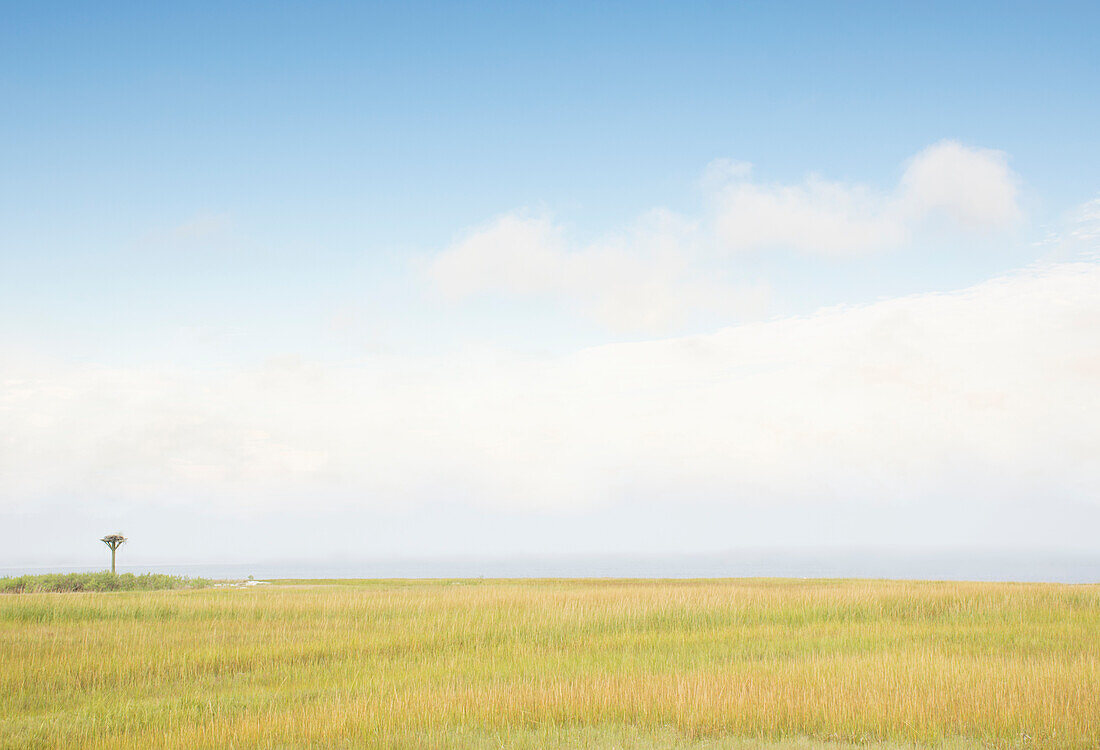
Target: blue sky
415,200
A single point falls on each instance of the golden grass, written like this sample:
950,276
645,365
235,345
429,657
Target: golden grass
737,664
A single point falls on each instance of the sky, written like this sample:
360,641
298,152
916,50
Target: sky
328,280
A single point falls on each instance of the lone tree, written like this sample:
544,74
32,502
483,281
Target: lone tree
114,541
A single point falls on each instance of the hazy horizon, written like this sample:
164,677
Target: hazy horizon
951,564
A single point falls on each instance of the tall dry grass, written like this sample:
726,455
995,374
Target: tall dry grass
543,663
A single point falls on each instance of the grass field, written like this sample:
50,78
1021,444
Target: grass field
739,664
102,581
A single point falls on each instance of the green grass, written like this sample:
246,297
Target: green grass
102,581
685,665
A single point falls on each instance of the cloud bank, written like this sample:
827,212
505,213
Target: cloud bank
987,392
654,275
947,183
643,278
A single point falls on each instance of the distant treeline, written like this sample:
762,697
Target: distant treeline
104,581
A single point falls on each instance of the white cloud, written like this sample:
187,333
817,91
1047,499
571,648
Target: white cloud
817,216
642,278
203,226
517,253
972,186
986,393
972,189
1085,223
1078,232
657,274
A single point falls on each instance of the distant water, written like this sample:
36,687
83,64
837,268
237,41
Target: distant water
1005,565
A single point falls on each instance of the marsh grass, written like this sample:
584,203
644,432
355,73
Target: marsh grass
735,664
101,581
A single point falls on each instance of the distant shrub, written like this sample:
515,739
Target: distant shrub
103,581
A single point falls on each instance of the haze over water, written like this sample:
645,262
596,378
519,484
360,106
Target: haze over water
962,565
